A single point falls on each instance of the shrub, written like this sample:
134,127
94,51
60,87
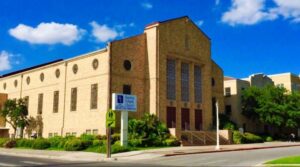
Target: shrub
226,123
87,137
97,143
229,126
135,142
252,138
55,142
115,137
24,143
149,130
74,145
237,137
268,139
11,143
101,137
172,142
117,148
3,141
41,144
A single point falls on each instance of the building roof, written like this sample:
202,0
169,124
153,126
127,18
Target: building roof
31,68
226,78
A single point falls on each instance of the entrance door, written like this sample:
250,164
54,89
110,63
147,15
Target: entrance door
171,117
198,119
185,118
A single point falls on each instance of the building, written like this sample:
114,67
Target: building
287,80
233,91
168,67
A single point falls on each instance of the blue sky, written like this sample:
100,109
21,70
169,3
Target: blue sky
248,36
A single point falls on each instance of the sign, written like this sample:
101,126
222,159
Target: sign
111,119
123,102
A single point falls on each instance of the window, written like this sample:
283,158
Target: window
28,80
227,91
42,76
75,68
68,134
26,100
95,131
88,131
213,82
40,103
4,86
228,109
73,99
73,133
55,134
197,84
94,96
50,135
185,82
55,101
171,79
127,65
16,83
95,64
127,89
57,73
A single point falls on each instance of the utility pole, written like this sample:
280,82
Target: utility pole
217,123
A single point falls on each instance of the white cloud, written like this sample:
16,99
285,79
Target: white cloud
147,5
5,63
199,22
247,12
103,33
48,33
289,9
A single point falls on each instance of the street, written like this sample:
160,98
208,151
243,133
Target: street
234,158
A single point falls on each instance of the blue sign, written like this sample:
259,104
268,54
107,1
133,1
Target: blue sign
124,102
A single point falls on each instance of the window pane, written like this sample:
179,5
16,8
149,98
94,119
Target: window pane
127,89
40,103
185,82
94,96
73,99
198,84
55,101
171,79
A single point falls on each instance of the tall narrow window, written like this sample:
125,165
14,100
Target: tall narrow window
227,91
171,79
94,96
127,89
73,99
198,84
184,82
40,103
26,100
55,101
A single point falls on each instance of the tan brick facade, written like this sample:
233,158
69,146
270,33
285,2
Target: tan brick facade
179,39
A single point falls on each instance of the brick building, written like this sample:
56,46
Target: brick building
168,67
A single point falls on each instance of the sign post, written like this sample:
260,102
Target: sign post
217,117
110,123
124,103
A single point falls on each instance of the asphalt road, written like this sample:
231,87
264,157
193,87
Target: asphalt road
234,158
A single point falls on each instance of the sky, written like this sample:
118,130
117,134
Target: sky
247,36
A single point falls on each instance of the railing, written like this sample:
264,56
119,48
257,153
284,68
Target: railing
201,137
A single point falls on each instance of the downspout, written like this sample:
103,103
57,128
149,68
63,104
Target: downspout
64,106
21,89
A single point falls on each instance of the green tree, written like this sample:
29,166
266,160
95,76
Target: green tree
272,105
15,113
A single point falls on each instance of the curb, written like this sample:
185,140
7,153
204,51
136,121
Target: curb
230,150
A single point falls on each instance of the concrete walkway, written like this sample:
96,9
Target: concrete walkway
139,155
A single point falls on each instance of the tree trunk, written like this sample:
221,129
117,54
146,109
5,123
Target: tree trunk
15,133
21,132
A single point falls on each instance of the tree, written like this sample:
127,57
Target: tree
31,126
15,113
272,105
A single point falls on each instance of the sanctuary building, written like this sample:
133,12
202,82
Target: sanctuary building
168,67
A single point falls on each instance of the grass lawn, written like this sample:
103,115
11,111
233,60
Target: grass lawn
286,160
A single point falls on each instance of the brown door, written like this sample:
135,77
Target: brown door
185,118
171,117
198,119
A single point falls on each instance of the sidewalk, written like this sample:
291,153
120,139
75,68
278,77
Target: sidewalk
140,155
